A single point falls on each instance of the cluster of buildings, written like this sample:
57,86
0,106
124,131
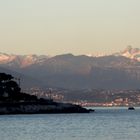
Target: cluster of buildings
47,94
106,98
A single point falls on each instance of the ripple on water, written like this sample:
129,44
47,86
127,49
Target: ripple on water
104,124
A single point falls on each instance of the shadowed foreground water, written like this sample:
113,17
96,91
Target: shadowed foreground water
104,124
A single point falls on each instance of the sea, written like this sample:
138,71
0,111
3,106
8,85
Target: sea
114,123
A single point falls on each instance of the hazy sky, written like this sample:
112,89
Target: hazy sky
68,26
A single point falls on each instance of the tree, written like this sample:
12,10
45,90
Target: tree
8,87
11,92
5,77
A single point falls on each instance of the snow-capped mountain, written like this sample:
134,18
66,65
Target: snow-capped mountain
119,71
27,60
5,58
21,60
129,52
98,55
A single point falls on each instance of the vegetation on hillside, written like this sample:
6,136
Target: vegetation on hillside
10,90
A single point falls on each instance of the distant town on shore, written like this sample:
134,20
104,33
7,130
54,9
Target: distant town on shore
90,97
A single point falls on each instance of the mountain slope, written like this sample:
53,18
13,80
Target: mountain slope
25,81
79,72
129,52
21,60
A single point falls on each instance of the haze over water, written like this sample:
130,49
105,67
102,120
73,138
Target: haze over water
104,124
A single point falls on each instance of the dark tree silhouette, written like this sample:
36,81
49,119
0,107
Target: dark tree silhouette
5,77
11,92
8,87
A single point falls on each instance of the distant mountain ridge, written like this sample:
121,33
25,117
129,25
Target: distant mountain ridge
27,60
129,52
116,71
21,60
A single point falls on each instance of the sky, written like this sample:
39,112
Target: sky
68,26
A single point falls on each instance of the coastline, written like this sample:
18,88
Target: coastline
40,108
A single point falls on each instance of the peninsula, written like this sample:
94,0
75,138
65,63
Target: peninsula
13,101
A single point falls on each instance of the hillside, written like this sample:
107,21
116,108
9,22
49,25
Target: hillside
13,101
114,71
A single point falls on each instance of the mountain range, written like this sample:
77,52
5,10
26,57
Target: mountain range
116,71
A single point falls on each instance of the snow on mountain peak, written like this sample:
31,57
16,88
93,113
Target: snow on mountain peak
27,60
5,58
98,55
21,60
132,53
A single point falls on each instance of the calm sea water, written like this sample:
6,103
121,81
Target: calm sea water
104,124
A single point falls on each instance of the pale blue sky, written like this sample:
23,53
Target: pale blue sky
68,26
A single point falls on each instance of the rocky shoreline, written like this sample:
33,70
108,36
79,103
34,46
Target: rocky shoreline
13,101
40,108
